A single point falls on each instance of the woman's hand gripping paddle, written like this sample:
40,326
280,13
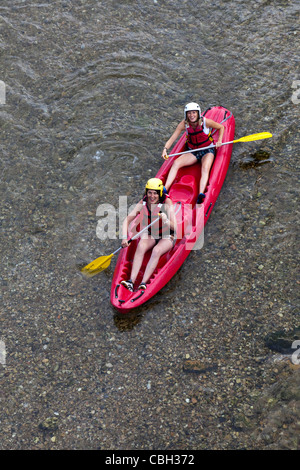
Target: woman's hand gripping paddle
247,138
102,263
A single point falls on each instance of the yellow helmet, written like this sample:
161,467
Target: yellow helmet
155,184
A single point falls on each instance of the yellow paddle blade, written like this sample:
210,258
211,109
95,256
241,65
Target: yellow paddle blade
252,137
97,265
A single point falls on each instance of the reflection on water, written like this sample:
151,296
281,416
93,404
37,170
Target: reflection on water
258,158
127,322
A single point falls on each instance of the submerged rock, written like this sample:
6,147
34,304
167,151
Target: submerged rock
197,366
282,342
49,424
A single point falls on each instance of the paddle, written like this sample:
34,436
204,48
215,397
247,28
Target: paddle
102,263
247,138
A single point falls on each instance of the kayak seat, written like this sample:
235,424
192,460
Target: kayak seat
185,190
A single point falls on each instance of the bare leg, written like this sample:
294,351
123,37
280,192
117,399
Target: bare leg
184,160
164,245
144,245
206,164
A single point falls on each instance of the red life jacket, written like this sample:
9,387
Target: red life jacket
196,138
156,230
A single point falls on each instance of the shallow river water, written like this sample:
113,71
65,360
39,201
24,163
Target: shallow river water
91,91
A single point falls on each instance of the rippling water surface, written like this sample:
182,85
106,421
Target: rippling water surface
93,91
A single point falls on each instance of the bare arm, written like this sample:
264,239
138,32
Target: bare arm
171,218
216,125
179,129
127,221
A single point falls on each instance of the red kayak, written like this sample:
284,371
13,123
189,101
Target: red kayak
191,218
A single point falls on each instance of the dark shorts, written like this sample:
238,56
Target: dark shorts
167,236
200,153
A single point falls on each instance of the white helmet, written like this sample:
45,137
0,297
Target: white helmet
192,107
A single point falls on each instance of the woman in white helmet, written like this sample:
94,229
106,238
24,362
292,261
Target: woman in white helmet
156,204
198,131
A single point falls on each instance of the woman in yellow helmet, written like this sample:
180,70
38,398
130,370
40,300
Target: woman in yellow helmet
197,129
160,236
